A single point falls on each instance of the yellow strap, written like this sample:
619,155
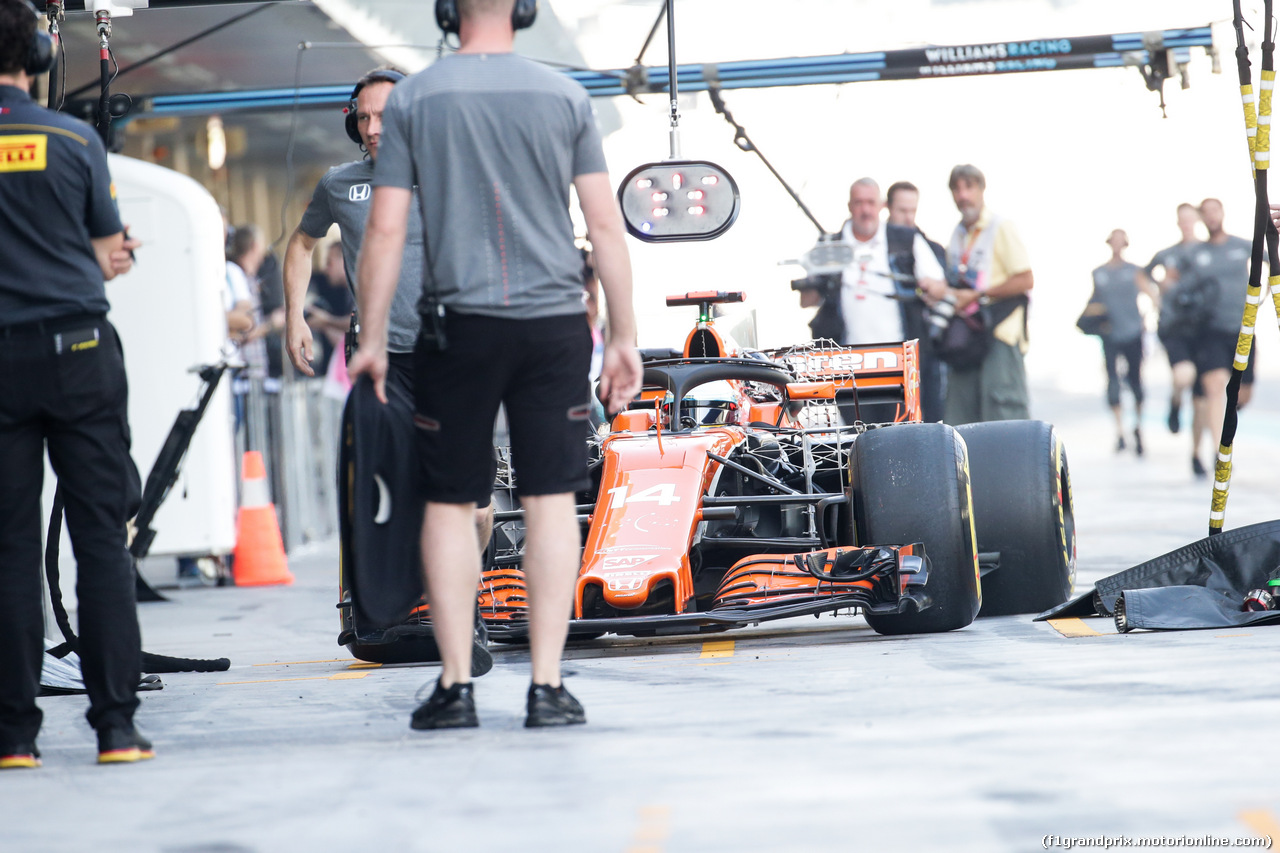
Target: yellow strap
1250,120
1262,148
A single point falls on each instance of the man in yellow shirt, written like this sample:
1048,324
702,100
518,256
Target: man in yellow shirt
987,265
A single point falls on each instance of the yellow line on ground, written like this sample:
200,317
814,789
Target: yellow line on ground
344,676
681,663
275,680
717,649
364,665
295,662
1073,628
1262,822
653,829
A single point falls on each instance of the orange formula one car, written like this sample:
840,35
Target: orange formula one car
745,486
742,486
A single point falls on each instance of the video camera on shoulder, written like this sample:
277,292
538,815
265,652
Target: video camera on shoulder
823,264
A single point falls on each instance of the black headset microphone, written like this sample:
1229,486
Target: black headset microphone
448,19
352,121
40,53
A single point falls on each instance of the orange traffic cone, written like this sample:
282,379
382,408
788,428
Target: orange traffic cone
259,555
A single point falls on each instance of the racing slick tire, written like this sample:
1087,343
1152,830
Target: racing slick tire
910,483
1022,510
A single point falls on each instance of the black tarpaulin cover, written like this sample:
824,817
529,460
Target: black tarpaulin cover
1201,585
380,509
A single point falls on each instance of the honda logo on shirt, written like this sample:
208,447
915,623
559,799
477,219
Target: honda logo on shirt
360,192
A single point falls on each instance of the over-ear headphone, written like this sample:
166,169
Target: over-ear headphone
40,52
352,122
522,15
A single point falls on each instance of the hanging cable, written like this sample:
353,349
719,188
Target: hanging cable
1257,117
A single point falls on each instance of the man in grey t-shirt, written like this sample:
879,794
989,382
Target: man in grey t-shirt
495,142
1222,265
342,196
1116,284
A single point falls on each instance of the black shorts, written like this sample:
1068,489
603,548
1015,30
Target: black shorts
1178,348
538,368
1216,350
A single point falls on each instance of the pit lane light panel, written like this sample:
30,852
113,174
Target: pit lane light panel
678,200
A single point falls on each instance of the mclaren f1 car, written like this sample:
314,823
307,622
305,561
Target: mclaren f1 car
743,486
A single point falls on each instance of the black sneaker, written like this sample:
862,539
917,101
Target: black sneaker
447,708
1137,441
19,755
122,745
552,706
1175,416
1119,443
1197,468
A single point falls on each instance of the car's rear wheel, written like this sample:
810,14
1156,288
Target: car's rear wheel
911,484
1022,510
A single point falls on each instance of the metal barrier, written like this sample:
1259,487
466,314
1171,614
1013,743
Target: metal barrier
295,426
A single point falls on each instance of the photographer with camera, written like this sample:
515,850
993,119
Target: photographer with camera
62,382
883,295
989,276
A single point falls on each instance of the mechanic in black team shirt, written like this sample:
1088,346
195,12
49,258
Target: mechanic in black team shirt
62,381
343,196
495,141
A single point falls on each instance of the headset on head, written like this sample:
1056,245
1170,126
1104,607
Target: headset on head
352,122
522,15
40,51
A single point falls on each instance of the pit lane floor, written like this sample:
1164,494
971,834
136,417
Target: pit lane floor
806,735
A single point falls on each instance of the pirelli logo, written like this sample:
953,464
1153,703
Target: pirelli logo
25,153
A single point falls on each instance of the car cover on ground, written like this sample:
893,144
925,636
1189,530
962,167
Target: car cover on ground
1201,585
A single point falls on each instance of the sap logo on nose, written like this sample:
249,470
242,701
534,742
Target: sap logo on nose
360,192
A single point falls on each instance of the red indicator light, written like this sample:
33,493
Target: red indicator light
659,196
697,210
660,211
677,180
697,195
710,181
644,183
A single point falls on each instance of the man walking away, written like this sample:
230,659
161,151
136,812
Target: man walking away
495,142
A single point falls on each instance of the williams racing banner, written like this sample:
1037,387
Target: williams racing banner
987,58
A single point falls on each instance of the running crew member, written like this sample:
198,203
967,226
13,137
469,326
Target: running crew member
62,381
495,142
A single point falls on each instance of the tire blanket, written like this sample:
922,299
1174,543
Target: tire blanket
1201,585
379,507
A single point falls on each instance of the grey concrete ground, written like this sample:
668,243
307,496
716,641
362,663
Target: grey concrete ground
796,736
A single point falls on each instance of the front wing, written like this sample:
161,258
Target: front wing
759,588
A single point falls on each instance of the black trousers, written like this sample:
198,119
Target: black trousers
63,382
1132,353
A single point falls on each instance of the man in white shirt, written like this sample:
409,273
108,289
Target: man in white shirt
871,302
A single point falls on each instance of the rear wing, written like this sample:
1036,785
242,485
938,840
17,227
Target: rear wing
875,383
